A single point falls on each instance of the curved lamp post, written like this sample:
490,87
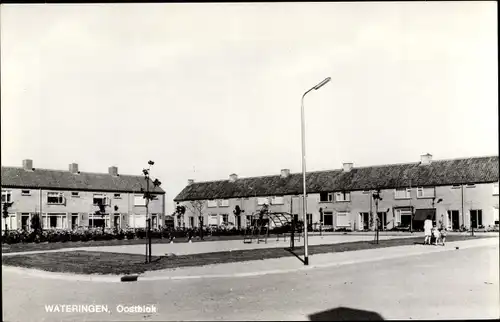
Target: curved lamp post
304,203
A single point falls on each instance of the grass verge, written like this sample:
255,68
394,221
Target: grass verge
83,262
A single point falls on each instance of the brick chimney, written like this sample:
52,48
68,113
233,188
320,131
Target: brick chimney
233,177
347,166
73,168
190,182
113,171
28,165
285,173
426,159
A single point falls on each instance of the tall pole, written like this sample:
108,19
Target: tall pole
149,219
304,203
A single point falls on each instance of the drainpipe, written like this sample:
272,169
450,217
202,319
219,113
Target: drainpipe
463,213
41,217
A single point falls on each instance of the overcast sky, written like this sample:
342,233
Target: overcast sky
206,90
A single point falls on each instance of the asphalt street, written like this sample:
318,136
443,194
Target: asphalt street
456,284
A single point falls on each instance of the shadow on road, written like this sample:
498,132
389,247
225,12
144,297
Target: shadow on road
295,254
345,314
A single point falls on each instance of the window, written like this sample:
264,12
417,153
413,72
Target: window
224,203
470,185
139,200
99,221
249,220
402,193
402,217
74,220
455,186
55,221
325,197
6,196
75,194
212,204
342,196
262,201
55,198
277,201
225,218
328,219
212,219
426,192
117,196
191,221
11,222
25,192
101,199
495,189
343,219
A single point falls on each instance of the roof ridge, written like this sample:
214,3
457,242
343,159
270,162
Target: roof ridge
67,171
361,167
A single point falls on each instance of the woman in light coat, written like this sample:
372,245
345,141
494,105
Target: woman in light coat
428,230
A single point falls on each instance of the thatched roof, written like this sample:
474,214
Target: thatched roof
438,173
16,177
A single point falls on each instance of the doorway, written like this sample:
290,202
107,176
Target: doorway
382,220
453,219
476,218
365,220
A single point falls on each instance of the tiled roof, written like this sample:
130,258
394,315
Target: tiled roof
15,177
438,173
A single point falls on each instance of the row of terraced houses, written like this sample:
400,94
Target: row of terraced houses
70,199
459,193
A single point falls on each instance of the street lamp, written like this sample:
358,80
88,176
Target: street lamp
306,255
148,196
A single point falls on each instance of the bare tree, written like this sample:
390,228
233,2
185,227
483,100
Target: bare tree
196,207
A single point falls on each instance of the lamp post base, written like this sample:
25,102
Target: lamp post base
306,260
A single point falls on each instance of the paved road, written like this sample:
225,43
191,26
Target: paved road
457,284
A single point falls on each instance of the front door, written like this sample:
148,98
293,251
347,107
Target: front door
453,217
382,220
366,220
238,221
476,218
191,222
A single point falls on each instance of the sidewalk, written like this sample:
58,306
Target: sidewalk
293,264
232,245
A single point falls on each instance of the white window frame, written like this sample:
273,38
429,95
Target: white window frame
495,188
224,203
398,213
25,192
57,194
139,201
11,222
421,192
342,214
8,196
407,193
212,203
107,201
329,197
61,221
105,216
262,201
278,200
342,196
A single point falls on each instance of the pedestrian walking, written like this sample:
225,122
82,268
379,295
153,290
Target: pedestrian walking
428,230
